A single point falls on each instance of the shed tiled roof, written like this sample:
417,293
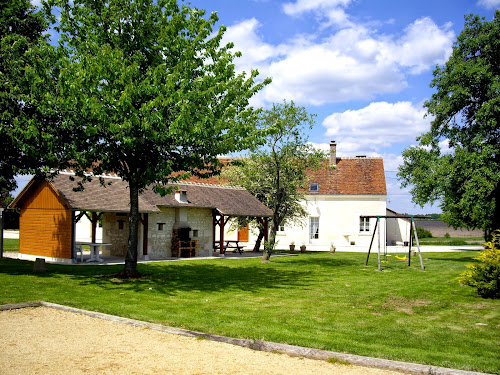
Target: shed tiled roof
115,197
351,176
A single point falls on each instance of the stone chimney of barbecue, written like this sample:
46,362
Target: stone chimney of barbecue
333,153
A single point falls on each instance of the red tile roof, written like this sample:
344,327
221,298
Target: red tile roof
351,176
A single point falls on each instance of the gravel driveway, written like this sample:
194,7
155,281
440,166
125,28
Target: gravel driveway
43,340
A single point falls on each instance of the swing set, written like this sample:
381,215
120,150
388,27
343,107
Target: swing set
412,228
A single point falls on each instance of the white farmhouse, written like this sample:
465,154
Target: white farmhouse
340,197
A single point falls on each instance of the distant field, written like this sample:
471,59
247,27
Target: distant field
452,241
438,229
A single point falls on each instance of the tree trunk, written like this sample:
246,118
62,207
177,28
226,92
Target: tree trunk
130,269
256,248
268,248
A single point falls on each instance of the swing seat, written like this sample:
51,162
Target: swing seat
401,258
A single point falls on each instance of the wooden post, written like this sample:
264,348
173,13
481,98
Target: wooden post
371,242
418,246
221,235
145,223
410,241
94,225
214,224
379,260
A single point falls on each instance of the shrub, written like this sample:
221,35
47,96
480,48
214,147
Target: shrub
447,235
485,275
422,233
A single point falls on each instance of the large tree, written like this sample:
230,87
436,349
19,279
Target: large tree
29,138
276,173
466,112
147,90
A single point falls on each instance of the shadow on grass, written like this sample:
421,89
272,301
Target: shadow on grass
170,278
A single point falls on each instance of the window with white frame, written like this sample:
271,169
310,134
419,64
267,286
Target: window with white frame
314,228
281,228
364,224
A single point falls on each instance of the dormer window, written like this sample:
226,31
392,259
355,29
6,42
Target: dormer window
181,196
313,187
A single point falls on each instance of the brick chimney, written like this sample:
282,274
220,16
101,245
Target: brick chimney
333,153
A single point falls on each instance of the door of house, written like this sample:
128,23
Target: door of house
243,234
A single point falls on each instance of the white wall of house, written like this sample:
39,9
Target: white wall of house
84,230
338,220
398,230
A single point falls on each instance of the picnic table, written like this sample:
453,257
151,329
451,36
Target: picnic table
231,244
94,250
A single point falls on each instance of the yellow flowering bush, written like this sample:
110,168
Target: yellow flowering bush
485,275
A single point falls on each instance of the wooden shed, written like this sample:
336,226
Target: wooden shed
45,222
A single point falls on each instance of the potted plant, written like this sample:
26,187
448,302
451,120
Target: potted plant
292,246
303,247
332,248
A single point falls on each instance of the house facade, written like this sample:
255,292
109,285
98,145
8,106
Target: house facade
340,197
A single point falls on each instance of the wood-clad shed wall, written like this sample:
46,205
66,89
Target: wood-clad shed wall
45,223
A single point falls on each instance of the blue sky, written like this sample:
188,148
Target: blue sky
363,66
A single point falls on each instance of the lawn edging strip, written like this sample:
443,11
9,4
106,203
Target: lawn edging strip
266,346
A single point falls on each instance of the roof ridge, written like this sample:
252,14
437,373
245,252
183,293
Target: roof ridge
71,172
207,185
360,158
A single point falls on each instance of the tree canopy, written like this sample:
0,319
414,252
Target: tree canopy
146,90
466,112
276,173
28,136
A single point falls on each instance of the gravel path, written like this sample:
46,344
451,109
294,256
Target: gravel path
47,341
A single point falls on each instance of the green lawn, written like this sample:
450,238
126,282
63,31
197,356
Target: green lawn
318,300
10,244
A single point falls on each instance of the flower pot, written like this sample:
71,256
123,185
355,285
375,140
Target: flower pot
303,248
292,247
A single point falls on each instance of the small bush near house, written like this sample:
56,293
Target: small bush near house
485,275
447,235
423,233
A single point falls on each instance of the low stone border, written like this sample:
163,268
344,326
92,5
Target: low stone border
266,346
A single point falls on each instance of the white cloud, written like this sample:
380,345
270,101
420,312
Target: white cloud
351,64
489,3
377,126
422,46
332,10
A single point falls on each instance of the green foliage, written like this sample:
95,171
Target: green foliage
29,134
276,173
485,275
147,90
423,233
447,235
465,110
